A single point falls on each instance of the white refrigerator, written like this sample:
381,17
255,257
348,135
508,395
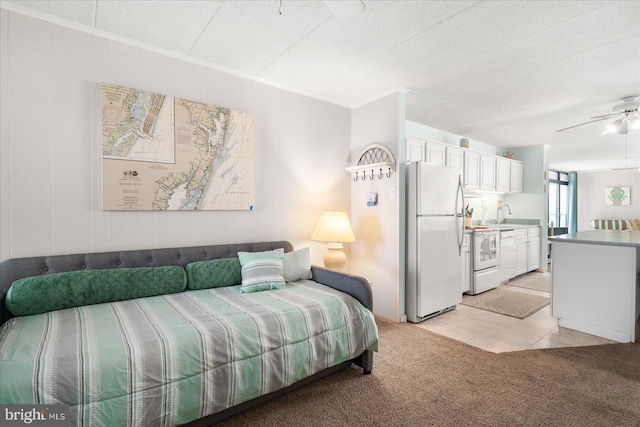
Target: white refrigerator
435,231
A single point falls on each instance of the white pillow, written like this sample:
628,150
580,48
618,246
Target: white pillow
297,265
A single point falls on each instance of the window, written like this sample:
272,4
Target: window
558,199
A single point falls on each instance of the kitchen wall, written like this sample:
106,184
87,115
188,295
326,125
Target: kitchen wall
591,196
378,253
50,190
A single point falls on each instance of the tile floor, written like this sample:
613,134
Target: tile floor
498,333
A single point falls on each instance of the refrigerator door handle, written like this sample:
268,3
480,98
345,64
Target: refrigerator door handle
460,214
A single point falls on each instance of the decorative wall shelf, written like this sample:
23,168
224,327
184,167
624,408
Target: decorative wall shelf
375,160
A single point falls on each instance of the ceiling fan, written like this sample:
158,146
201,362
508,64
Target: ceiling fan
626,113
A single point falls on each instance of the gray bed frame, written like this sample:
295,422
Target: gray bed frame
17,268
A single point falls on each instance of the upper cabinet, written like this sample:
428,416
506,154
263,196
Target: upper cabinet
481,171
503,174
488,172
492,173
455,157
436,153
471,170
509,175
517,176
415,150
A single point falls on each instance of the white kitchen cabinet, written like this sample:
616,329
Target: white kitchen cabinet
503,174
471,170
487,172
436,153
521,252
415,149
517,176
455,157
533,248
509,175
466,263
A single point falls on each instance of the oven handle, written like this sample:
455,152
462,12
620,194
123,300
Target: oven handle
460,214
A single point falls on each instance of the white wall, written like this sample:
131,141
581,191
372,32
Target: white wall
376,253
50,149
591,196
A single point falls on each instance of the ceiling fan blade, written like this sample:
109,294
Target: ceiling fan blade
582,124
606,116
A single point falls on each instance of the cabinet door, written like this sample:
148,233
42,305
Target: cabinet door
487,172
521,258
533,254
415,150
471,170
436,153
503,174
517,176
455,157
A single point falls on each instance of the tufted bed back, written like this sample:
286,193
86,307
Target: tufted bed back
17,268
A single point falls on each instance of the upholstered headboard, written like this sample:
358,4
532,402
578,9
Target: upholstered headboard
18,268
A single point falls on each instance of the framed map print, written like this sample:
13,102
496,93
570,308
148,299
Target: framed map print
165,153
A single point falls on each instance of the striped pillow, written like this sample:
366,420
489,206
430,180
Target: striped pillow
262,271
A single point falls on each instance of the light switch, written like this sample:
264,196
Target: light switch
392,192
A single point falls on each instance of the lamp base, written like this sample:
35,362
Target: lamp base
334,258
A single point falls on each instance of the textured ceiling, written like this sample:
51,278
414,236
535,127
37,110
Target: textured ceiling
508,73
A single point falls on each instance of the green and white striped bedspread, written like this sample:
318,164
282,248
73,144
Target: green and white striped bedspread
167,360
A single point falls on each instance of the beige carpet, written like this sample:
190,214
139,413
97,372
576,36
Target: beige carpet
424,379
534,280
509,303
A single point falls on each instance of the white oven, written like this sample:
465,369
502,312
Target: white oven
486,260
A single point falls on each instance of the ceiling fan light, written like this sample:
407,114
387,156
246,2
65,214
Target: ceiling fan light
614,126
623,129
634,123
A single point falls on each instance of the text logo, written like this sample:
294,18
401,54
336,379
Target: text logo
37,415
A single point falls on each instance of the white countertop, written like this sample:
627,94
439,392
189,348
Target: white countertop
601,237
501,227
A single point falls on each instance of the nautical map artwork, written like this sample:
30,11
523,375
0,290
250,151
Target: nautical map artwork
166,153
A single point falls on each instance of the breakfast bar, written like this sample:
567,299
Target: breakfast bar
595,286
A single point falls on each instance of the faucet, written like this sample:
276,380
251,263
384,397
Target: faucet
502,205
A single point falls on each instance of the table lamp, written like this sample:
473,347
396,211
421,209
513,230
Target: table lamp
334,228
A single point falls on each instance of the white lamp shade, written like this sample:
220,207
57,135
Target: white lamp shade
334,226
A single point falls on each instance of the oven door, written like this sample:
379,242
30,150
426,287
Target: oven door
485,250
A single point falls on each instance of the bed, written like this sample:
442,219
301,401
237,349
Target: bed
166,355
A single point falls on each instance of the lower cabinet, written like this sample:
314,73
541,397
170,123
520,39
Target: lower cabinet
466,263
521,252
507,255
533,248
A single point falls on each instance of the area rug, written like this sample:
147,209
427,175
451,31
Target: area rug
535,281
509,303
421,379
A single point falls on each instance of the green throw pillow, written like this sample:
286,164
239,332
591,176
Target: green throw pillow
216,273
56,291
262,271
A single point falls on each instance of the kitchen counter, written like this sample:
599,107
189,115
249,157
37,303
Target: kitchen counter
601,237
595,283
